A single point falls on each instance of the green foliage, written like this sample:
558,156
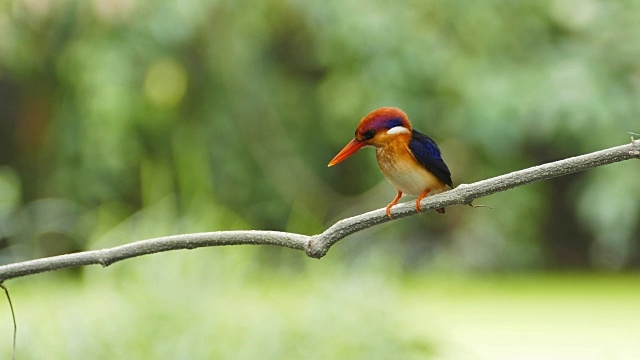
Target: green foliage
219,115
122,120
232,109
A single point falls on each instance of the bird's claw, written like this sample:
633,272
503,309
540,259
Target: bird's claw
389,211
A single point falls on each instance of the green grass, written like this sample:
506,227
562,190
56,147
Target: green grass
580,316
213,304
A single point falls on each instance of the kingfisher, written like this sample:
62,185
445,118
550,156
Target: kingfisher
410,160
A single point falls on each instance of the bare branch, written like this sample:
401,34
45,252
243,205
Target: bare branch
317,246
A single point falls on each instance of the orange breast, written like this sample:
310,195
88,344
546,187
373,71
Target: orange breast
404,172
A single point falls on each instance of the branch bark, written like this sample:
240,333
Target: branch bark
317,246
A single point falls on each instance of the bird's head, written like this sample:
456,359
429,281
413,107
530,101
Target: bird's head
377,129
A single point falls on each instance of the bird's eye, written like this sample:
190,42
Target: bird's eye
369,135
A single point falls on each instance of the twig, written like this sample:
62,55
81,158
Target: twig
15,324
316,246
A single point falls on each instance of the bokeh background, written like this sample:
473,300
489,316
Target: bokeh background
122,120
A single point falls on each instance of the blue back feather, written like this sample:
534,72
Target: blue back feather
428,155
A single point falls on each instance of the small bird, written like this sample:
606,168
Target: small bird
410,160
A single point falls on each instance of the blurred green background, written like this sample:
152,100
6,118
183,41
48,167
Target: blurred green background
122,120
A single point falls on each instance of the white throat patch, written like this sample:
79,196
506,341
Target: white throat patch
398,130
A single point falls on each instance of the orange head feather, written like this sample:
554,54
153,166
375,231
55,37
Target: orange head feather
375,129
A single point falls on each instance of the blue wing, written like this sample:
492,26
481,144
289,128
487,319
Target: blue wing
427,153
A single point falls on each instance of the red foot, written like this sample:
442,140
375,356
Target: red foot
425,193
394,202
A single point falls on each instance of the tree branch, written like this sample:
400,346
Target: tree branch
316,246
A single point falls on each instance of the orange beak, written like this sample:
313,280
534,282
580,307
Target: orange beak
348,150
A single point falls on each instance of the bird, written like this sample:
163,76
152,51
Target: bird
410,160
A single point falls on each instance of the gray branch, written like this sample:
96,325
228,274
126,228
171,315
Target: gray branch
316,246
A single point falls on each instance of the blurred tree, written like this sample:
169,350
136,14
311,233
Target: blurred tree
199,115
